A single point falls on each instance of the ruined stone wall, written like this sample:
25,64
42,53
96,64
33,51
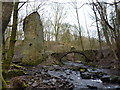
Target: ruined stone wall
33,42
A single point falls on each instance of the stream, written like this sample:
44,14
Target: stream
89,77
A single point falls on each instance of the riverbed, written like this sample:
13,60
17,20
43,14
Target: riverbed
77,75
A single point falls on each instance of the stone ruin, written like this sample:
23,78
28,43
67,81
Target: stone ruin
32,47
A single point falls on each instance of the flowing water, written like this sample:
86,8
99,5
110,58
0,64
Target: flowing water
74,76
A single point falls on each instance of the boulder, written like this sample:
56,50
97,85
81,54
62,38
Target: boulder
33,42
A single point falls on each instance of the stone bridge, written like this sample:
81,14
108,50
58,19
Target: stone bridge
59,56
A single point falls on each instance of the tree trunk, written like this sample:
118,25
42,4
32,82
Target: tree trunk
6,14
118,29
6,63
3,48
81,41
4,84
99,35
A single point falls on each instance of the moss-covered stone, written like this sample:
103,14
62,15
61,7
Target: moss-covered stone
82,70
94,69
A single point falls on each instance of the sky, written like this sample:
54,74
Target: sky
85,13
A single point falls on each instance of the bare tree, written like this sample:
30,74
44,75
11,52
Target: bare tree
97,25
111,32
74,4
58,14
88,32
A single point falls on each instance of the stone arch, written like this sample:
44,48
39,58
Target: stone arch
59,56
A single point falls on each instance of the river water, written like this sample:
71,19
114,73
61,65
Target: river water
74,76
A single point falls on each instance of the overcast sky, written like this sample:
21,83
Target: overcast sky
85,12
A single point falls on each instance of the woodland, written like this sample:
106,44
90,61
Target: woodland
53,45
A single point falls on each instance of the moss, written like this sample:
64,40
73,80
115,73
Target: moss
82,70
8,82
16,66
13,73
94,69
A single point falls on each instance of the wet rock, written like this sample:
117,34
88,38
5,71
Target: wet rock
91,87
29,83
118,88
118,81
75,68
86,75
105,78
57,69
114,79
53,81
68,86
61,76
35,84
97,74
